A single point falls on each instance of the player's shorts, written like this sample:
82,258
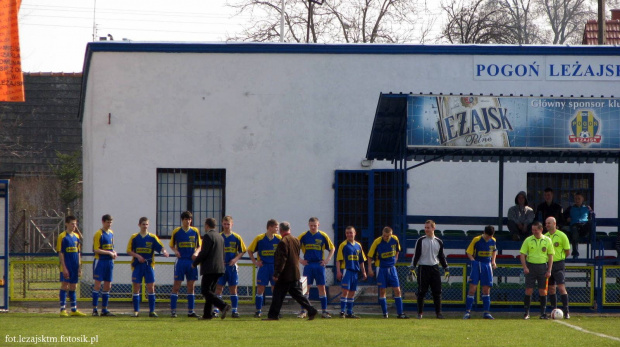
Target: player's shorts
349,280
481,272
315,272
143,270
103,269
537,274
557,273
231,276
73,275
387,277
183,270
265,275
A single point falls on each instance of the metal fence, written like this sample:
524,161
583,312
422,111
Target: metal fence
36,279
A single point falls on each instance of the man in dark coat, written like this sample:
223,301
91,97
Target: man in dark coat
211,260
286,274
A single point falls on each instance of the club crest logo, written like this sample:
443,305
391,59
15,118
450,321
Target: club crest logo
585,128
544,249
469,101
557,244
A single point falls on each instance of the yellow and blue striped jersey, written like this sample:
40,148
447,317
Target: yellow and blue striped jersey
186,242
350,254
264,247
482,250
383,252
233,245
69,245
103,240
145,246
313,245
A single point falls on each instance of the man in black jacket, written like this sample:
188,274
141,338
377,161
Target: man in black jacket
211,260
286,274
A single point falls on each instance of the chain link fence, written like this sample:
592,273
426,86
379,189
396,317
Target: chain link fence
38,280
611,285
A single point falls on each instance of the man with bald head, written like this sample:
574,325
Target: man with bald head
286,274
561,245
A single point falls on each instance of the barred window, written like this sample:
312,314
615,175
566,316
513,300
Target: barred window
200,191
564,186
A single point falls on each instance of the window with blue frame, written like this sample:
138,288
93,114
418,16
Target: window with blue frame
200,191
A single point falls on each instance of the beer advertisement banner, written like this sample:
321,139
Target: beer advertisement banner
527,122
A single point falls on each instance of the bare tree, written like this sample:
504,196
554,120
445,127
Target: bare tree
477,21
523,29
349,21
566,18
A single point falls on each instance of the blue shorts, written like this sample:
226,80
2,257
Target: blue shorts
143,270
387,277
349,280
265,275
102,270
73,275
315,272
183,269
230,275
481,272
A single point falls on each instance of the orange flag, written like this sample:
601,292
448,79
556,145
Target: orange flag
11,77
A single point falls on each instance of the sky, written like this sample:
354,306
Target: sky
54,33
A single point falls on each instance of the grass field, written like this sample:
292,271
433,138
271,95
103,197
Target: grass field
369,331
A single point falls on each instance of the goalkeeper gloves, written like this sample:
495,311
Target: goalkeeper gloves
412,274
446,274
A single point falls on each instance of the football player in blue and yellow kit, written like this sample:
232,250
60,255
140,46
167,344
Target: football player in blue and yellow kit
103,265
313,244
350,259
234,249
265,246
68,249
481,252
384,252
141,247
185,242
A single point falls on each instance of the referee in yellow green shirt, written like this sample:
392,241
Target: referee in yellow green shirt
561,245
537,261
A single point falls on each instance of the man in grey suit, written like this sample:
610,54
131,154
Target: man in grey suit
211,260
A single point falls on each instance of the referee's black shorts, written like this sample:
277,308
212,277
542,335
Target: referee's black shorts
557,273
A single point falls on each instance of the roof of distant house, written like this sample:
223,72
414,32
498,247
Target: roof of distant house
612,30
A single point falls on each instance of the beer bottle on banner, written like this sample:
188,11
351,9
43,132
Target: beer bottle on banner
472,121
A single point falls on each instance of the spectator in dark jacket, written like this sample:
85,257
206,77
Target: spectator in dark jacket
286,274
549,208
211,260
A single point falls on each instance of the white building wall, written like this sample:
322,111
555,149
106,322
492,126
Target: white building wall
280,124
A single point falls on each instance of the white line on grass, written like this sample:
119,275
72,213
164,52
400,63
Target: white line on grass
587,331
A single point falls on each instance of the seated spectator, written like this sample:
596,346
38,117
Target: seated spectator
548,208
578,218
520,218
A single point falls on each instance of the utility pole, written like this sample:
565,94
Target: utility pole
602,39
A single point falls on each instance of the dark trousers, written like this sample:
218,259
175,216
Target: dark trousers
280,289
208,291
516,232
429,276
578,230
